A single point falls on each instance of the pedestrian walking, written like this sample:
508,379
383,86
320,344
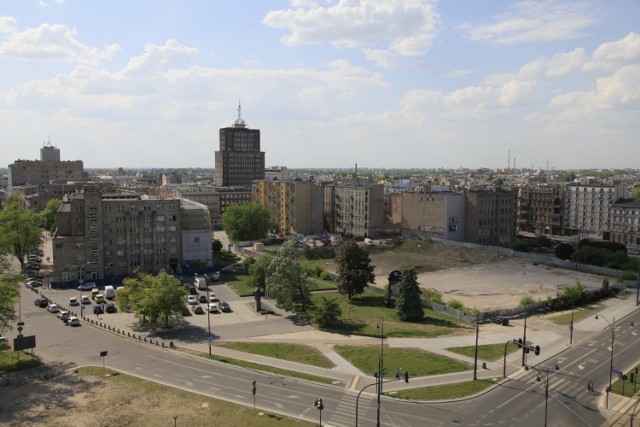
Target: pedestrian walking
590,386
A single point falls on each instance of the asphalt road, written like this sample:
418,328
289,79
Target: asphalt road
520,401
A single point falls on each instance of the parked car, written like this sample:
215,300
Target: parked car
214,299
193,290
84,299
63,315
224,306
42,303
110,308
86,286
73,301
192,300
53,308
100,298
197,309
73,321
213,308
215,276
202,299
97,309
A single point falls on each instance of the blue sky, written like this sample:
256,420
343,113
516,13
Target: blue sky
380,83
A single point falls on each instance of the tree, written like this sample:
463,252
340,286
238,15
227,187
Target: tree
19,232
408,302
635,194
9,288
154,298
355,270
48,214
564,251
327,313
216,246
258,271
246,222
288,282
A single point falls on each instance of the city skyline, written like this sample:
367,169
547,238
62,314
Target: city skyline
393,84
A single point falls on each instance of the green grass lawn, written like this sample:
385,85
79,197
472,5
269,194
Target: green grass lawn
292,352
9,361
417,362
618,386
489,352
579,313
241,283
278,371
364,314
444,392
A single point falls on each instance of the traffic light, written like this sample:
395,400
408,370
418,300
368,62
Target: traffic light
253,390
537,350
406,377
519,342
319,404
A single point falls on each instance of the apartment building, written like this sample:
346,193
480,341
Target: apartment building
540,209
217,200
295,206
280,173
49,169
433,215
354,209
490,216
625,224
239,160
103,237
587,209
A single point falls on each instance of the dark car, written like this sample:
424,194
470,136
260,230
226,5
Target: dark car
42,303
197,309
110,308
97,309
224,306
202,299
193,290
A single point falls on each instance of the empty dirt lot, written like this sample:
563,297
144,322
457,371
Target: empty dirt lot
479,279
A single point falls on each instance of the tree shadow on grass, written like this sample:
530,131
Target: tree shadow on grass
368,301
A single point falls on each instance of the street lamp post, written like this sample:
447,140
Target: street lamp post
571,324
81,278
546,389
380,369
209,325
612,326
524,337
475,355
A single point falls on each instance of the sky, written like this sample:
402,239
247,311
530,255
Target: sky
329,83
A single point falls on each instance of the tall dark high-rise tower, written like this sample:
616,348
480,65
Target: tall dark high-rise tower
239,160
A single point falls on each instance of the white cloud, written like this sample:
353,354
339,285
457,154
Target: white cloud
614,54
457,73
159,58
52,42
45,3
402,28
7,24
515,92
382,58
536,20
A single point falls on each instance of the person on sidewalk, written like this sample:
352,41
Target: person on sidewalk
590,386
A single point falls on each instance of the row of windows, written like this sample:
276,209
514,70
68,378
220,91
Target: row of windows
134,208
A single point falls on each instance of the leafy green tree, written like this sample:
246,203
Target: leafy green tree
258,271
576,293
19,232
355,270
408,301
526,300
246,222
9,288
216,246
287,280
635,194
48,214
327,312
155,298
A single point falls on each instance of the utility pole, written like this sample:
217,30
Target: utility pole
524,338
475,356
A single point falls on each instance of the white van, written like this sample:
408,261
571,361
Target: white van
368,242
109,292
201,283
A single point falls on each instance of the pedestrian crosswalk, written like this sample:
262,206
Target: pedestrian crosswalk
344,415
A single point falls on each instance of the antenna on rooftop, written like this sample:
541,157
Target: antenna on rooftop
239,122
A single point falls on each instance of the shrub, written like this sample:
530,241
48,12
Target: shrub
432,295
325,275
605,285
327,312
520,246
526,300
626,275
564,251
454,303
